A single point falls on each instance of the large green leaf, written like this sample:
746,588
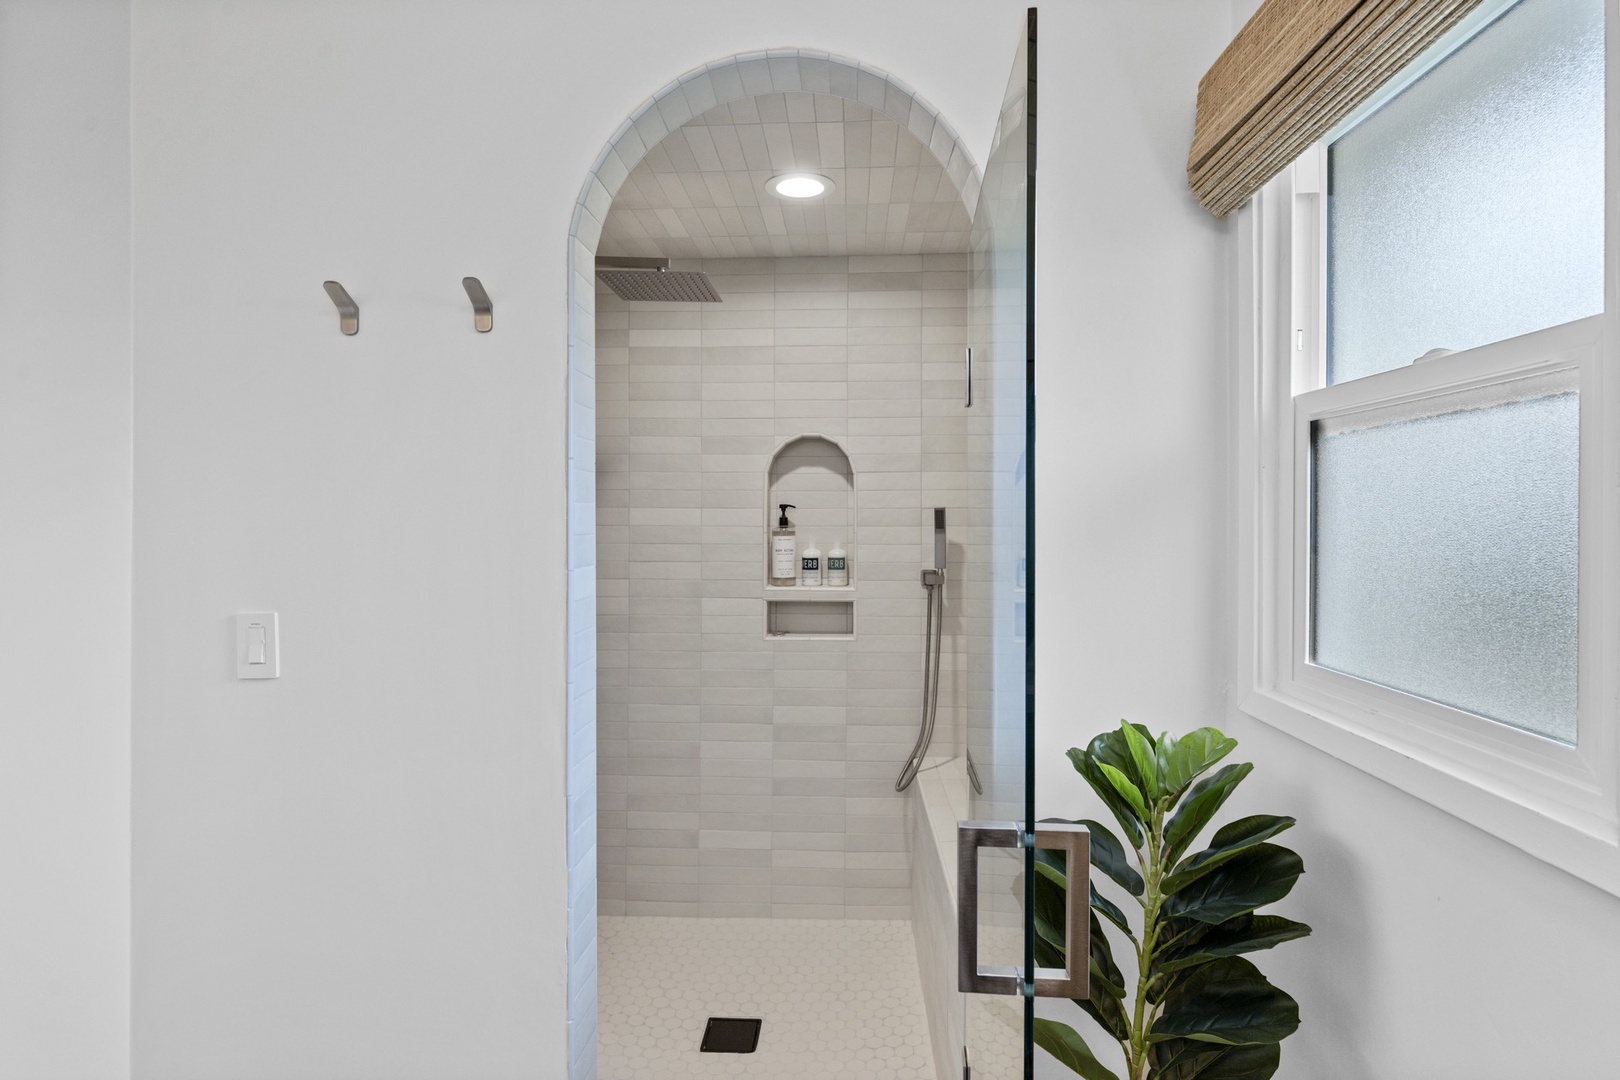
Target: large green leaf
1086,766
1046,953
1109,1013
1254,878
1200,805
1051,929
1182,1059
1064,1043
1128,791
1110,911
1098,981
1102,959
1112,747
1226,1001
1111,860
1242,934
1050,901
1183,760
1189,1059
1143,756
1107,1007
1052,869
1229,840
1108,855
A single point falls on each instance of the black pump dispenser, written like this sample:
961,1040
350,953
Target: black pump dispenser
784,552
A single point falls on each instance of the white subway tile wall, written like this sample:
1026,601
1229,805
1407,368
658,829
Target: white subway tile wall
699,90
740,775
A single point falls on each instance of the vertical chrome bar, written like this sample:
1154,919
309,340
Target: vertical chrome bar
1073,980
971,978
967,395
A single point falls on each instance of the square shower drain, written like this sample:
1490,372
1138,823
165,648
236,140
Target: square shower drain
730,1035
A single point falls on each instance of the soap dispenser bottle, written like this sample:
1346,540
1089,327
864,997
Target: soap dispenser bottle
784,549
811,565
838,566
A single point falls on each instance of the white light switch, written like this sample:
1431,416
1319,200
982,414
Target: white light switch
258,651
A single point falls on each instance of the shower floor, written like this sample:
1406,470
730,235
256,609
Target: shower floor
839,998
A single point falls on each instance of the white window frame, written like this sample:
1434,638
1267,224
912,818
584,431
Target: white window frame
1559,803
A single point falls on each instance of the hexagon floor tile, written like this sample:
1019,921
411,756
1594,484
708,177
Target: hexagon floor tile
839,998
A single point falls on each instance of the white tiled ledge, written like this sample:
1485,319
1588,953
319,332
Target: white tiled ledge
809,592
942,796
939,801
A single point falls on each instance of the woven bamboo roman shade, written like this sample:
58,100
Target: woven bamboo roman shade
1295,70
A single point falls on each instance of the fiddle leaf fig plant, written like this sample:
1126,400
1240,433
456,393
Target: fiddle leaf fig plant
1194,1007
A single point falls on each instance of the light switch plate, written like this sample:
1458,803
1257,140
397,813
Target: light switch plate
258,646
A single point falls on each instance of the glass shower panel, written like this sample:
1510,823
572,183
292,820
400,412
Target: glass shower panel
999,732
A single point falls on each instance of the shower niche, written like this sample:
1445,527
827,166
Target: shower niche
813,473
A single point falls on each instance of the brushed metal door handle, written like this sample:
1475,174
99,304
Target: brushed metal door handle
971,977
1073,980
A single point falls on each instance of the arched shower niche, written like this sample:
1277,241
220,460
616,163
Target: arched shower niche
813,473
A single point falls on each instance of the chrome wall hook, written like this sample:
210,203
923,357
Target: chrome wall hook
348,310
483,310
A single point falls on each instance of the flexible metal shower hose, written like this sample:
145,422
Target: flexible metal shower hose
932,635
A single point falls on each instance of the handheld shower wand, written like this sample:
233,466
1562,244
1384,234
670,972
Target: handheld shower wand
933,580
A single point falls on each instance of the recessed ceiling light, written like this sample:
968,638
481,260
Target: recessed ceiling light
799,186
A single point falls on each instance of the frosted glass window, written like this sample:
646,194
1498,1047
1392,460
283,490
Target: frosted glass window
1469,208
1445,558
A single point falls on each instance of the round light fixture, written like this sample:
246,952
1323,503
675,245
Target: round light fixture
799,186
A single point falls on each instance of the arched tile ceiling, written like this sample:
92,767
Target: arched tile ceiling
700,192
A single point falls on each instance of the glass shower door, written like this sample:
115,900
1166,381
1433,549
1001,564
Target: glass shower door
997,850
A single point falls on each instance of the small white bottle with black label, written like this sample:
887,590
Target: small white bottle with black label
784,550
837,566
810,566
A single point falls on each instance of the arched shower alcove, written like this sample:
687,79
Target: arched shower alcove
701,89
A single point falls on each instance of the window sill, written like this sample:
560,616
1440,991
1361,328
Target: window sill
1582,844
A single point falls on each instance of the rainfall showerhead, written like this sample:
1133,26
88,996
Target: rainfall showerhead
652,279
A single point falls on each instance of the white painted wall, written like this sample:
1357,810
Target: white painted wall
359,869
1131,399
64,539
1439,951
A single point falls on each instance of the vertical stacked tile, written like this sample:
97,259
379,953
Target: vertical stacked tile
746,776
954,477
738,410
612,595
666,582
894,537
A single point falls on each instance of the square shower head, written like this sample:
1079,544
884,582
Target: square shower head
659,284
